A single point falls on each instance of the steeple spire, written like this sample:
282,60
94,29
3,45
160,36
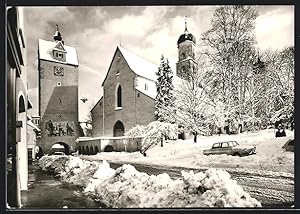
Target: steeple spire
57,36
185,22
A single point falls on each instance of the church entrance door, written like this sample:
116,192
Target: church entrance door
118,129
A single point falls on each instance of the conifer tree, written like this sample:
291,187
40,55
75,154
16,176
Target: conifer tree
164,87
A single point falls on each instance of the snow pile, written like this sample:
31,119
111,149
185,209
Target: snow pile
126,187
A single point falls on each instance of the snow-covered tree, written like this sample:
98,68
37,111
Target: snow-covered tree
280,67
153,134
164,87
193,109
136,131
229,47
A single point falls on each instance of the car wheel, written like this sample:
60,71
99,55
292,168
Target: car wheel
237,154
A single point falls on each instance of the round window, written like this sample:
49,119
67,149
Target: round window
58,84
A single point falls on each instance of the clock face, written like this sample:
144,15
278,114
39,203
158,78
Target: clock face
58,71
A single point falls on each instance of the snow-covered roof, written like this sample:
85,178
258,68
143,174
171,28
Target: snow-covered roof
45,51
149,93
139,65
96,104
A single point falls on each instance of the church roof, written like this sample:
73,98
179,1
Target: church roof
139,65
152,94
186,36
45,52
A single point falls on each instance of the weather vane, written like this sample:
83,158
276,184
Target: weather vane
185,21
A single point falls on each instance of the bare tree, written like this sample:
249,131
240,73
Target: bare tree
280,67
193,108
229,46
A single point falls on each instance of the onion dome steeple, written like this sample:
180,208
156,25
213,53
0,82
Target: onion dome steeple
186,36
57,35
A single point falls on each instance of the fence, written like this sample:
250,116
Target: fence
91,146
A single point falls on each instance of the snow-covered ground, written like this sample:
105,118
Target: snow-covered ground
126,187
184,153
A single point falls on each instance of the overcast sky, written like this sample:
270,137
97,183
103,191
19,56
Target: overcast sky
147,31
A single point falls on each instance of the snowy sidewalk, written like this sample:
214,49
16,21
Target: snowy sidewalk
270,159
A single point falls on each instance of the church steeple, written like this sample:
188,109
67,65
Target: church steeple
57,35
186,53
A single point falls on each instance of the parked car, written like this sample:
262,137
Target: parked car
229,148
289,145
58,153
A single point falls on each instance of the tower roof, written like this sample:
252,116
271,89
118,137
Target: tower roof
186,36
45,52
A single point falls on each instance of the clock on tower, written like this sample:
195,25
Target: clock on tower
58,71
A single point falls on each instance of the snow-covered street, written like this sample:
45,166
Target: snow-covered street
270,157
177,170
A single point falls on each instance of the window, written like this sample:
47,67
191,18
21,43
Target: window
138,94
183,55
58,84
216,145
58,55
146,86
119,96
225,145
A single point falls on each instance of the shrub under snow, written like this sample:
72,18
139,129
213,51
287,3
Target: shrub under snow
126,187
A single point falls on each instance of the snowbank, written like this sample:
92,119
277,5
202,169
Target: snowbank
126,187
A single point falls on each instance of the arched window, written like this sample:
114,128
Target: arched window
119,97
183,55
21,104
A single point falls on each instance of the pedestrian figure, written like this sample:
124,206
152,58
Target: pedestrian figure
280,131
69,130
49,127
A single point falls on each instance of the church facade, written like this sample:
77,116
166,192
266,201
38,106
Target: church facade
58,94
129,93
129,89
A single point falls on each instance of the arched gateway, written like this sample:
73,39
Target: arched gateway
61,147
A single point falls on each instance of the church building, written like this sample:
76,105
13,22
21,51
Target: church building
129,89
129,93
58,94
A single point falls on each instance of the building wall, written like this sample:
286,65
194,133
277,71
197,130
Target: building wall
97,119
183,66
126,79
145,108
31,140
58,104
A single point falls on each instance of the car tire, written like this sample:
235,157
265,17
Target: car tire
237,154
